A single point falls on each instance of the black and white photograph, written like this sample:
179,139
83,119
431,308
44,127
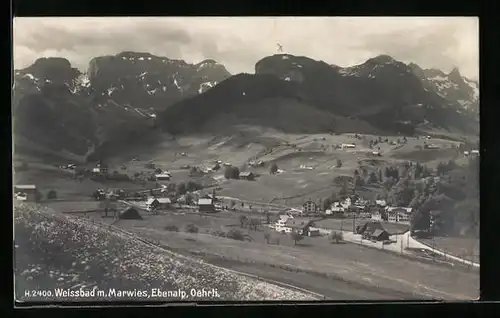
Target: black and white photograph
245,159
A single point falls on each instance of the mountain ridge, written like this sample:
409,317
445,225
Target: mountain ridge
120,96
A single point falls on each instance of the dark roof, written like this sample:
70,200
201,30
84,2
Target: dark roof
371,227
298,223
378,232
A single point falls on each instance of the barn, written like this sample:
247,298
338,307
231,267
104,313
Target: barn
29,190
206,205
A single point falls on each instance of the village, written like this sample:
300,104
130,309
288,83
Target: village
219,206
195,194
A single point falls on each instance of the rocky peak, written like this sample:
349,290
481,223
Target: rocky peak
455,75
53,69
382,59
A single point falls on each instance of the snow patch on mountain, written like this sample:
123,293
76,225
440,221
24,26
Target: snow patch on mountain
206,86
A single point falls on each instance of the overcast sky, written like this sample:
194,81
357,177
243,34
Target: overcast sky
240,42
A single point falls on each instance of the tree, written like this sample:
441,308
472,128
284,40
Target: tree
327,203
193,186
193,171
373,178
235,235
52,195
268,217
339,163
191,228
296,237
189,198
243,221
336,237
274,168
253,224
181,188
172,228
232,172
267,237
358,181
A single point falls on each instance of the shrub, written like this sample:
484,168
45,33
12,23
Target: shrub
267,237
274,168
219,233
172,228
235,235
52,195
296,237
191,228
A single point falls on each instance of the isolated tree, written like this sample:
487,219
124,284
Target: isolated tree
253,224
296,237
267,237
243,221
191,228
232,172
339,163
52,194
274,168
336,237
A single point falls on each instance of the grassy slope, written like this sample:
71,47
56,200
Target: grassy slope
350,262
59,252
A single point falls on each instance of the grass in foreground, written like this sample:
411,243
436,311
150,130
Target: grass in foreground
60,252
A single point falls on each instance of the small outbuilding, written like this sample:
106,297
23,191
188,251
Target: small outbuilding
206,205
250,176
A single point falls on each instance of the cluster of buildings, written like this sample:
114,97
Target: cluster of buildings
377,210
288,223
473,152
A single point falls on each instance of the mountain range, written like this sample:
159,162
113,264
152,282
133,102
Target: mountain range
127,97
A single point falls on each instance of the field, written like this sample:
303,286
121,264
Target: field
338,271
467,248
358,268
70,253
347,225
